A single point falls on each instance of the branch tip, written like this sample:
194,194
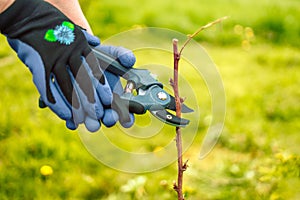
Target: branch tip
175,41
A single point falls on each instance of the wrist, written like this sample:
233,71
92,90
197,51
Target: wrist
5,4
15,12
72,9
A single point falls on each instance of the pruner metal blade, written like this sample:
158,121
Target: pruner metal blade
169,118
184,108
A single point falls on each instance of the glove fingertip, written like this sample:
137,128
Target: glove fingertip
92,40
92,125
129,124
128,59
110,118
125,56
71,125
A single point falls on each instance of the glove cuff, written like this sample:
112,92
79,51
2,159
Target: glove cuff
19,10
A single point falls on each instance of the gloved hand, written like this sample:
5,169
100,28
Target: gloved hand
127,59
65,72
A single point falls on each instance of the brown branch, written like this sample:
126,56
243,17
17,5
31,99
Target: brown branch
175,80
174,83
181,167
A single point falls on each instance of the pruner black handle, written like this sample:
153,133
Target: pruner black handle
109,63
121,106
140,77
124,107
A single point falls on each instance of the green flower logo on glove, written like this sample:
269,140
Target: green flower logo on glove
63,33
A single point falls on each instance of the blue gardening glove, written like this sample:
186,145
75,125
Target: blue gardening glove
65,72
127,59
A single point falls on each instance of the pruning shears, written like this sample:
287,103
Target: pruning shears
150,95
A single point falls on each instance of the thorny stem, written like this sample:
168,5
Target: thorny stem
181,168
177,54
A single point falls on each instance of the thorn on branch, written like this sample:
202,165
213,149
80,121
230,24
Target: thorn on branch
175,187
185,165
171,81
182,99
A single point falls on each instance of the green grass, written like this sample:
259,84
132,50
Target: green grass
257,156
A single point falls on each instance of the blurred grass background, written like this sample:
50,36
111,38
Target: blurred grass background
257,157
